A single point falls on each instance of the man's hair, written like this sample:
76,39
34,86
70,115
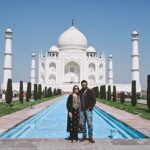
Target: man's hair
83,81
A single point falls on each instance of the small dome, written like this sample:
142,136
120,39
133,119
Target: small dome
8,30
54,48
91,49
33,55
72,38
134,32
110,55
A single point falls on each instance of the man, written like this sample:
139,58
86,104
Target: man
88,101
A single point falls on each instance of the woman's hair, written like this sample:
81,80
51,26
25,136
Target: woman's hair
75,86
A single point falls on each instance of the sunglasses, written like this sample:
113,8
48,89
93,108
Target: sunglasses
76,88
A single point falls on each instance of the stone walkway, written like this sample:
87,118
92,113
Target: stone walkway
11,120
61,144
135,121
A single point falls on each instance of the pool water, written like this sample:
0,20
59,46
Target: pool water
52,121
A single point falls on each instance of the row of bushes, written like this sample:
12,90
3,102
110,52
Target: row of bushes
36,94
102,94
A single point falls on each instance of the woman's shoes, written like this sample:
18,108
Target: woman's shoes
74,140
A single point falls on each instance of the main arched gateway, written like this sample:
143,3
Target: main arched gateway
72,72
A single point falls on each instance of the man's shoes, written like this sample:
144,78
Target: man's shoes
91,139
83,139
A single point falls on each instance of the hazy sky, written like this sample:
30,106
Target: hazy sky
107,25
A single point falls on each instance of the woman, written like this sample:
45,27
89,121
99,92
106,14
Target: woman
73,107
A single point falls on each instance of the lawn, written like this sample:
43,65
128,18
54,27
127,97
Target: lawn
139,109
16,105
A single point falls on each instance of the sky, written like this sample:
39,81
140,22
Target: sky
107,24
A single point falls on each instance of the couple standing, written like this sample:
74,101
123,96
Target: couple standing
80,105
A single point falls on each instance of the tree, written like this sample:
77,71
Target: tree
9,92
28,92
148,91
59,91
133,97
122,97
104,92
96,91
49,92
45,92
21,92
35,92
109,93
39,91
114,93
55,92
101,92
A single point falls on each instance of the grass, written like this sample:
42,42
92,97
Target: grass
16,105
140,109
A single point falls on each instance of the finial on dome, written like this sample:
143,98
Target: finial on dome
72,22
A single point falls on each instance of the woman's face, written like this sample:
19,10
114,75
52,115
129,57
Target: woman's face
76,89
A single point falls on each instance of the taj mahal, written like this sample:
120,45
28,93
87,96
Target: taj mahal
70,61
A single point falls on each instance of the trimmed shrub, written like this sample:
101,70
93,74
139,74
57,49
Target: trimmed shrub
101,93
50,92
45,92
104,92
9,92
109,93
96,92
133,97
59,92
55,92
21,92
28,92
39,91
148,91
122,97
114,93
35,92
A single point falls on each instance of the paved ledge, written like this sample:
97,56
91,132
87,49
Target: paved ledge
135,121
11,120
61,144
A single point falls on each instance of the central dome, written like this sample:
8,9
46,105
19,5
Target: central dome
72,38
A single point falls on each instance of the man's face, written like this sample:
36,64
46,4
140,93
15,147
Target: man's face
84,85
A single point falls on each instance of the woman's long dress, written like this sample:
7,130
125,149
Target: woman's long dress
72,124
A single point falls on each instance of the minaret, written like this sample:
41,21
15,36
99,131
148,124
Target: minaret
33,68
110,70
135,57
7,57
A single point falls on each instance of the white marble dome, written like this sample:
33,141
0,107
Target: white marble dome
134,32
8,30
72,38
91,49
33,55
54,48
110,55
